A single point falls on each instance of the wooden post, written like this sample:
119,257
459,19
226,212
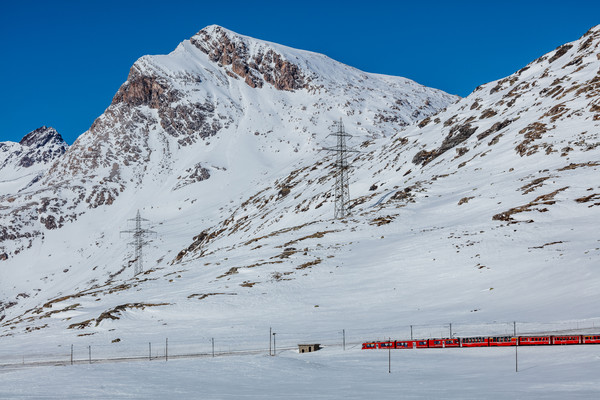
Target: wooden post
90,353
167,349
149,351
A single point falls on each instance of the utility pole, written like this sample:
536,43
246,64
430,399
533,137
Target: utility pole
342,190
270,341
274,346
344,339
138,241
389,356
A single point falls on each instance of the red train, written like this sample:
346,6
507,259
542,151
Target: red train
492,341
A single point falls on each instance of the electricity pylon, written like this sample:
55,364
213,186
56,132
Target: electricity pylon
138,241
342,187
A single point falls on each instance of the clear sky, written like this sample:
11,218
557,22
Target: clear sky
62,61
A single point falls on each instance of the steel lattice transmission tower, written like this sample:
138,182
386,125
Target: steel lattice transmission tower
342,187
138,243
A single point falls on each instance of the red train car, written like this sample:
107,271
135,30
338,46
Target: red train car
534,340
576,339
485,342
406,344
475,342
502,341
443,343
591,339
451,342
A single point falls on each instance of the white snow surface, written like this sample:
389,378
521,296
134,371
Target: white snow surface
495,226
543,373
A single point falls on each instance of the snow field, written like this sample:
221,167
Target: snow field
568,372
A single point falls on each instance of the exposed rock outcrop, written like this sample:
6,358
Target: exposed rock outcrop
262,66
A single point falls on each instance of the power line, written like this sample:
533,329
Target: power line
342,187
138,241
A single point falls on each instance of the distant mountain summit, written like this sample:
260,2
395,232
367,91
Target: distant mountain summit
42,137
22,162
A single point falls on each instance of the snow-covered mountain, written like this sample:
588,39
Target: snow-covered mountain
220,104
481,212
23,162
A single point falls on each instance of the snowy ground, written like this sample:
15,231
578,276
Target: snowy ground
544,373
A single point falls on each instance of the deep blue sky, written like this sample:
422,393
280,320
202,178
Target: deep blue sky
62,61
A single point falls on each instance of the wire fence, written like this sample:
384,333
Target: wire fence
273,342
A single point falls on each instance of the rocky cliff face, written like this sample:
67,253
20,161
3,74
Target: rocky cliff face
256,66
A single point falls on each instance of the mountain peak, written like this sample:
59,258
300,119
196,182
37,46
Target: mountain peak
217,30
42,136
23,163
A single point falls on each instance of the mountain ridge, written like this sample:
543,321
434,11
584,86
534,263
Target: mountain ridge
464,215
172,103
